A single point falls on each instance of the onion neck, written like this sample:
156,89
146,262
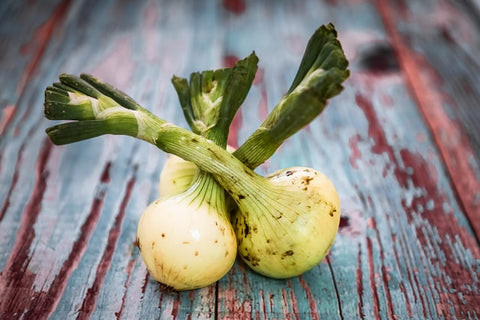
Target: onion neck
204,190
251,192
233,175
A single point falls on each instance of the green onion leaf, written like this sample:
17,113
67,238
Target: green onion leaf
211,98
322,71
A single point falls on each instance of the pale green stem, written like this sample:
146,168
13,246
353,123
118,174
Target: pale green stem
113,112
234,176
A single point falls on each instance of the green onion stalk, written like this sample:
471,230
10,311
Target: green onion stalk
285,223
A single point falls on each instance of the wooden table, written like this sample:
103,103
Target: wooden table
401,144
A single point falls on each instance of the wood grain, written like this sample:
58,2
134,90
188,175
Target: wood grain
401,144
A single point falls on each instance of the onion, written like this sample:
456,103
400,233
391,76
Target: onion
186,240
285,228
177,175
293,226
285,223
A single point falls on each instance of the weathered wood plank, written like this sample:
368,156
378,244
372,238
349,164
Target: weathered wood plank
19,60
25,153
423,216
440,73
439,61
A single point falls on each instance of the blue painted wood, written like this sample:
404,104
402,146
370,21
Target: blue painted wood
408,243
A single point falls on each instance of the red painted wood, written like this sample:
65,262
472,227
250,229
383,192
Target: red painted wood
89,301
36,46
450,137
15,274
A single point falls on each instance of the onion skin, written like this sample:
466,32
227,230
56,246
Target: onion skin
182,249
286,244
176,177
